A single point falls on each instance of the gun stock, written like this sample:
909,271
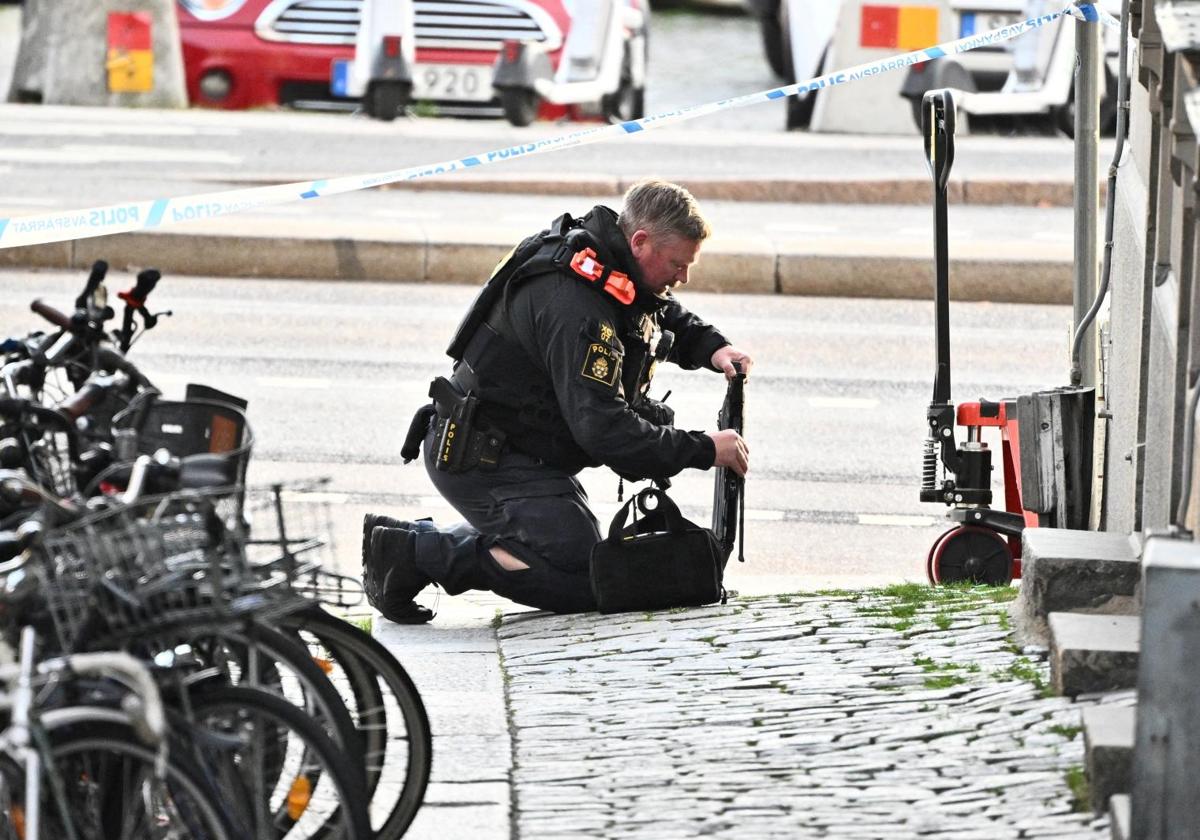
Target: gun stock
728,496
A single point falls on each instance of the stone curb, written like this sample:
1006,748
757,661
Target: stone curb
749,267
780,190
982,191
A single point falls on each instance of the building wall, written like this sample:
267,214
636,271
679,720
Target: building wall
1127,314
1151,360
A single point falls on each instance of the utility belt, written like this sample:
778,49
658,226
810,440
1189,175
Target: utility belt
463,438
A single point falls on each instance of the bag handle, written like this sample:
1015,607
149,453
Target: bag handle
663,503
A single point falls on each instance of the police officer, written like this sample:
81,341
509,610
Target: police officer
552,366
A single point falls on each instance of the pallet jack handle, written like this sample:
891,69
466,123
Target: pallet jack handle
937,122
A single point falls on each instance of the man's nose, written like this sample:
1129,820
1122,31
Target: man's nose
682,276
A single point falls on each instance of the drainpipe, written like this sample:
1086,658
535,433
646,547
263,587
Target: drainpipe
1088,81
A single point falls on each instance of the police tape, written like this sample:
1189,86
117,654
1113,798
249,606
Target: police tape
152,214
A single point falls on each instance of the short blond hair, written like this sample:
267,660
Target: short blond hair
662,208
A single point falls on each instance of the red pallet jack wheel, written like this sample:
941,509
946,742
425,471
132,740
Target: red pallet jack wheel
969,553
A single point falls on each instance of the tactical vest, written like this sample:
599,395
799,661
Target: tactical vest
515,395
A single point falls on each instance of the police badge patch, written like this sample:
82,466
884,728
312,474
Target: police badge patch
601,364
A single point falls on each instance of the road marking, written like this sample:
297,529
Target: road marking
399,213
605,509
292,382
31,201
80,153
959,233
842,402
64,129
800,227
150,154
893,519
45,156
312,496
431,501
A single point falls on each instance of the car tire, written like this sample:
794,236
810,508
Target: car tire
775,42
944,73
626,102
385,100
800,106
520,105
1064,115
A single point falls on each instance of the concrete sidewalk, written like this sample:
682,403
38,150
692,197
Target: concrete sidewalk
885,714
997,254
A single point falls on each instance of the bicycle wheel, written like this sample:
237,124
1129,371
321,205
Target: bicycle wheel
103,784
390,715
299,784
253,654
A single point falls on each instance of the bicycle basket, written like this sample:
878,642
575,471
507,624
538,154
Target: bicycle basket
162,560
195,427
290,536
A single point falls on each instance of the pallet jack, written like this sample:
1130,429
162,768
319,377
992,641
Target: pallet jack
985,547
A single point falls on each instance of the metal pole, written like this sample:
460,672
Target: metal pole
1089,77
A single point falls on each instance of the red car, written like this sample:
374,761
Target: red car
255,53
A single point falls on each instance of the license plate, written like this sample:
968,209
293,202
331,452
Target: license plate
975,23
454,82
339,77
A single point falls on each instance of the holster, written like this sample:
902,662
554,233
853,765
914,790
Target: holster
417,429
464,438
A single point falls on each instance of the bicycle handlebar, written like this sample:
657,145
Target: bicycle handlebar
54,316
92,392
109,358
146,281
99,270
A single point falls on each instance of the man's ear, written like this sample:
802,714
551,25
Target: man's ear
637,242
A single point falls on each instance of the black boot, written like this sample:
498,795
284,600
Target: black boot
371,521
391,578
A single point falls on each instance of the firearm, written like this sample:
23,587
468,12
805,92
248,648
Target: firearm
729,500
464,439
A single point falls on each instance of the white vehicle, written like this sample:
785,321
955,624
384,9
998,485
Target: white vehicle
521,59
380,74
600,70
799,38
1040,66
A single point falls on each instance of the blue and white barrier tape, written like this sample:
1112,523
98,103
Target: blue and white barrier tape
157,213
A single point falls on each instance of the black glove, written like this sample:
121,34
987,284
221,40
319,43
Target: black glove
653,411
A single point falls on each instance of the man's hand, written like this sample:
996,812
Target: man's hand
724,358
732,451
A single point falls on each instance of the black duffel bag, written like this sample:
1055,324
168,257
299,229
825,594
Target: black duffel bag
661,560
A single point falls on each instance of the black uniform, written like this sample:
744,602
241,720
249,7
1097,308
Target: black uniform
557,355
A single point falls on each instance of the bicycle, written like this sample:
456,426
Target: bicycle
58,764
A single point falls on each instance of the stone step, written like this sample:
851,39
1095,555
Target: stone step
1093,653
1118,818
1075,571
1108,734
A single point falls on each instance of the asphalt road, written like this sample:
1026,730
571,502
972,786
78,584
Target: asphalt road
133,154
835,413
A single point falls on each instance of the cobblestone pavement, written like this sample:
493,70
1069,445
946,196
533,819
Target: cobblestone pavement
896,713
